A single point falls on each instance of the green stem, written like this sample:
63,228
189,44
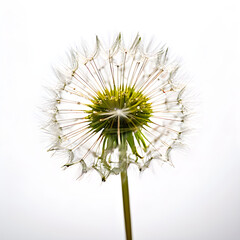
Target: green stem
126,205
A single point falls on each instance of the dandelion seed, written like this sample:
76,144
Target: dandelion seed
117,107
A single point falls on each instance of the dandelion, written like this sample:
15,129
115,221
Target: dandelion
116,107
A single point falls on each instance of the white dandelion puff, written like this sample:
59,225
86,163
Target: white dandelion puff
117,106
115,99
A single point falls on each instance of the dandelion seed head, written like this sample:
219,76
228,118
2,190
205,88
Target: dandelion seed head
115,107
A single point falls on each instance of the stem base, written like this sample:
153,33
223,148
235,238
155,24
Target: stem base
126,205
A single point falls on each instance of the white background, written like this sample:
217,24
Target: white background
198,199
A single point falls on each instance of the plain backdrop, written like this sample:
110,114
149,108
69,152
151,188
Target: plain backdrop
197,199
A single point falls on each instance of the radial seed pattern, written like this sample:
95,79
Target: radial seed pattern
116,107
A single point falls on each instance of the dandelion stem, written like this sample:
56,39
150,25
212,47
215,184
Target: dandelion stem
126,205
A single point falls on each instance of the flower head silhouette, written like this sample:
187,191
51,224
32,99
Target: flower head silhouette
116,107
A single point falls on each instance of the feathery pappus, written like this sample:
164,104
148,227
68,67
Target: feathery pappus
117,107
